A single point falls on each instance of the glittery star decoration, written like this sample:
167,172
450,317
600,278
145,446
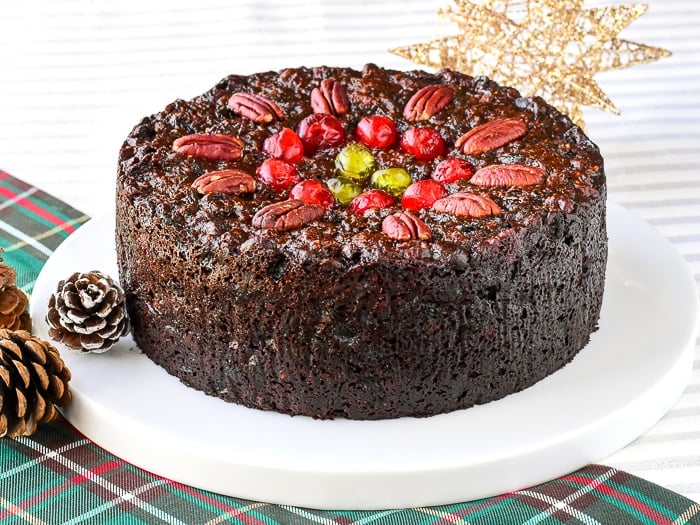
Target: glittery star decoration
550,48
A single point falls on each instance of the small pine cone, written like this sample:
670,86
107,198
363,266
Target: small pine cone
13,302
33,378
87,312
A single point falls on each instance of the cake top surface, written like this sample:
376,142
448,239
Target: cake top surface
411,163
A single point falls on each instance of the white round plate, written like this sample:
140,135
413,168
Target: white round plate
628,376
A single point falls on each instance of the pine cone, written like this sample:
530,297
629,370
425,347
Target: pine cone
13,302
7,275
87,312
33,378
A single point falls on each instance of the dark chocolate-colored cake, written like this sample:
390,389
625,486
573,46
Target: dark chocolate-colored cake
361,244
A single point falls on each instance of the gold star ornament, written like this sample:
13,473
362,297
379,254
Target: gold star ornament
550,48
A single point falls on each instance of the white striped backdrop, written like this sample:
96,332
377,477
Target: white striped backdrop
75,76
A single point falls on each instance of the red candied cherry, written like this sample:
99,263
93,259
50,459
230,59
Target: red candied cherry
423,143
313,191
450,170
320,131
376,131
285,145
278,174
422,194
370,199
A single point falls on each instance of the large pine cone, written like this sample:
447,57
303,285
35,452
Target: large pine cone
87,312
33,378
13,302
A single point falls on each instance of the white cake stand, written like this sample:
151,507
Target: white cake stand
630,374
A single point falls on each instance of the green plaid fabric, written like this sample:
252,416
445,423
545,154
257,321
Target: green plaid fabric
57,476
32,225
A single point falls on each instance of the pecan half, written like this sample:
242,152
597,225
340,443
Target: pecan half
230,182
287,215
507,175
255,107
426,102
403,226
330,97
214,146
491,135
469,205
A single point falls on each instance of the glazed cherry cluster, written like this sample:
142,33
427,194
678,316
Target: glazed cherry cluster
359,183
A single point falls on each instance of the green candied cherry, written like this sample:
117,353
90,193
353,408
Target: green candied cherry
392,180
355,162
343,190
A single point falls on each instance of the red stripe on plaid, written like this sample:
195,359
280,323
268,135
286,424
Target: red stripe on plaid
55,490
655,516
95,472
37,210
229,510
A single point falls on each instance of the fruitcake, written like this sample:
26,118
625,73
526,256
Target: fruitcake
362,244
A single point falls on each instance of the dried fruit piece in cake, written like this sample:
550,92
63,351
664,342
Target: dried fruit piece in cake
355,162
392,180
343,190
313,191
320,131
278,175
423,143
422,194
285,145
376,131
370,199
451,170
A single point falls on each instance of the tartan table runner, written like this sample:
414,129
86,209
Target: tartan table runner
58,476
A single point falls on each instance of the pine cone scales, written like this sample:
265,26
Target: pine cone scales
87,312
7,275
13,302
33,378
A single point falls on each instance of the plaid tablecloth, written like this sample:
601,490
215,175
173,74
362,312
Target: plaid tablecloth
58,476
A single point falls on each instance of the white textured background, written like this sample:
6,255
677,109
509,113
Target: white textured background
76,76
